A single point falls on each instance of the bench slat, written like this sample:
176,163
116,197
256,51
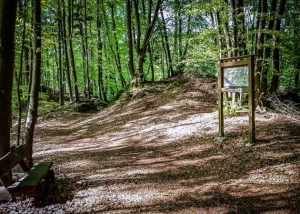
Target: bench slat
28,184
12,158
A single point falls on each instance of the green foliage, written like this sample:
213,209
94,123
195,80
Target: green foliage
199,35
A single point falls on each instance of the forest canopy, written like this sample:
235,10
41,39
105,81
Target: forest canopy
97,48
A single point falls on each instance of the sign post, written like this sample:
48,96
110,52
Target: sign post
237,75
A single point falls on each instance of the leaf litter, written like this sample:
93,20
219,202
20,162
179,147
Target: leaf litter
156,152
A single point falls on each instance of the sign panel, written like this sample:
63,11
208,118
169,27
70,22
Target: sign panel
236,76
240,90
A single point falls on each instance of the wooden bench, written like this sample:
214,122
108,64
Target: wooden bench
31,182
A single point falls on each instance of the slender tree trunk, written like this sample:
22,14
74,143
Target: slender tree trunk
164,53
117,54
27,64
101,93
86,56
235,28
129,37
60,70
115,50
266,62
297,70
70,24
32,113
165,36
151,62
261,23
176,33
276,51
224,35
185,49
19,77
221,40
68,75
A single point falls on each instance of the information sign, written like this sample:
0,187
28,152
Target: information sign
236,76
239,90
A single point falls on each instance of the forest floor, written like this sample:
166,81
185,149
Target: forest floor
155,151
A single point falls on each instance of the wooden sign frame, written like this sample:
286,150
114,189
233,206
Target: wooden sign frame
237,62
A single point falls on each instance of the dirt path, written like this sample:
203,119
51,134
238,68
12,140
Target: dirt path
157,153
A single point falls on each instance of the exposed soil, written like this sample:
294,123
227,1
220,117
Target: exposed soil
154,151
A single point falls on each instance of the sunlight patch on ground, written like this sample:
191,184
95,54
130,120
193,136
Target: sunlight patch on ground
113,194
192,150
237,189
122,173
191,125
197,162
271,180
275,155
78,163
278,174
197,124
84,144
154,160
167,107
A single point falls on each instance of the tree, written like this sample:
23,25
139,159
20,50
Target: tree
65,44
276,50
59,67
101,91
70,25
166,45
137,74
7,32
32,111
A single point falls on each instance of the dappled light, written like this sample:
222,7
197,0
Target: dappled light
158,154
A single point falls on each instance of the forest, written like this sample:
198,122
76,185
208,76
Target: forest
121,96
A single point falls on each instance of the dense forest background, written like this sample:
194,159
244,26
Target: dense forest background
97,48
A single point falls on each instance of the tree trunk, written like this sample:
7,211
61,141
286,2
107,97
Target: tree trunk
296,80
276,58
115,50
101,92
166,39
129,37
235,28
138,76
60,71
266,62
117,54
86,56
7,30
19,77
176,33
70,23
151,62
261,23
64,33
32,112
183,52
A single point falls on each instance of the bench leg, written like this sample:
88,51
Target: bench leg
6,180
50,176
40,190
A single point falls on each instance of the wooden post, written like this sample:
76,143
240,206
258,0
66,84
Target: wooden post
220,99
251,101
